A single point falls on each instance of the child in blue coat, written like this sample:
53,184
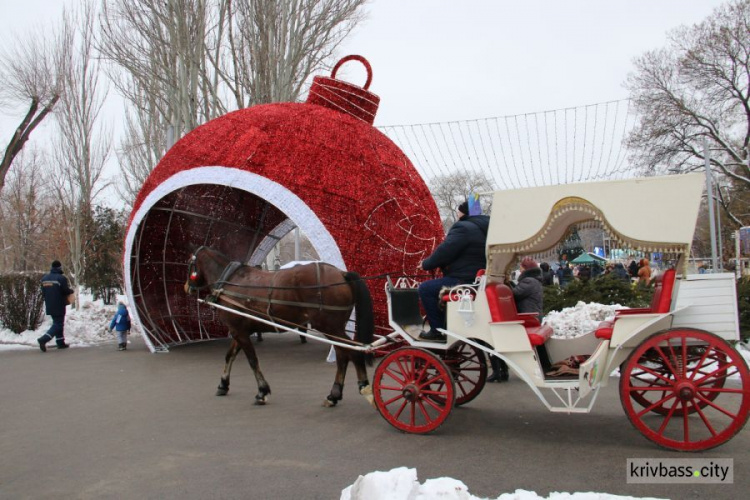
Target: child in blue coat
121,324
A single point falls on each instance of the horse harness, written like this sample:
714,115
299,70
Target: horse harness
218,292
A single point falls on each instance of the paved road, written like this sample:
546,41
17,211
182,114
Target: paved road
97,423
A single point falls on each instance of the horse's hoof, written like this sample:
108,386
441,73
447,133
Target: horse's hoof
366,391
327,403
221,392
261,400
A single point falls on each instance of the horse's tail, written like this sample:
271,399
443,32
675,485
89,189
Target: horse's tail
365,330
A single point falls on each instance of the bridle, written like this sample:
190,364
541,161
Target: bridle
193,273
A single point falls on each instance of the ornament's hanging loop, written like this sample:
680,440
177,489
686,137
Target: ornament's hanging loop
355,57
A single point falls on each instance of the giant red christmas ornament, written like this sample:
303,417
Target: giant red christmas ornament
244,180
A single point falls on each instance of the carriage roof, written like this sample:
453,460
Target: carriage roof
653,214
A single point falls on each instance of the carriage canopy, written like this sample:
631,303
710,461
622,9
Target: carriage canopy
653,214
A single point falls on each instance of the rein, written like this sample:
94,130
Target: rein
217,288
361,278
286,322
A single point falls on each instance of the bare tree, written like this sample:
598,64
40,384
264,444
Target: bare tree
275,46
141,148
83,146
450,190
158,51
24,215
29,76
180,63
694,89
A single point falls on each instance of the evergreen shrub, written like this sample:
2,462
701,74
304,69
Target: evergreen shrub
607,289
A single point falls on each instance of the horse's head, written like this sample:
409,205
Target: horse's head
204,268
196,280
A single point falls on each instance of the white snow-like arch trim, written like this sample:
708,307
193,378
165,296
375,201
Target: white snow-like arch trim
276,194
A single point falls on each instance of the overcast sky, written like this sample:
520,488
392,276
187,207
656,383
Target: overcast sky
450,60
437,61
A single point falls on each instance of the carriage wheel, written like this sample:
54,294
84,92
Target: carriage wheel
703,400
468,365
413,390
652,362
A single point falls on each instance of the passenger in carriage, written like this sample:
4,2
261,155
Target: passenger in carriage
528,293
460,256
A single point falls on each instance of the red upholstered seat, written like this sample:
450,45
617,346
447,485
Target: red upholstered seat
604,330
661,303
503,308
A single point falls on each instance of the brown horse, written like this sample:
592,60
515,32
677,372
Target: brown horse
318,294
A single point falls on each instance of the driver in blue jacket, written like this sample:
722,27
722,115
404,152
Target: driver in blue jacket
459,256
56,290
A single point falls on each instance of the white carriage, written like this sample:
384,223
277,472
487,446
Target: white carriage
682,384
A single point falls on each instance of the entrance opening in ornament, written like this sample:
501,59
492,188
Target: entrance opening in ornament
239,213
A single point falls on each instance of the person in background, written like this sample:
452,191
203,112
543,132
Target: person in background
621,273
121,324
56,292
547,274
565,275
584,272
644,273
633,269
596,270
460,256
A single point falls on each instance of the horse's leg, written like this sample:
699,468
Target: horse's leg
263,388
337,391
363,383
223,388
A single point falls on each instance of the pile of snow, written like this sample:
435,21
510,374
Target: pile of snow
579,320
86,326
402,484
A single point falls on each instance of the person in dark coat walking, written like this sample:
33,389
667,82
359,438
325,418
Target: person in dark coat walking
459,256
56,291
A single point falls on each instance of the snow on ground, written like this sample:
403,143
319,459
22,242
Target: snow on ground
85,327
402,484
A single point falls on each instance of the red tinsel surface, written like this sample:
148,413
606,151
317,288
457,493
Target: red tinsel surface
358,183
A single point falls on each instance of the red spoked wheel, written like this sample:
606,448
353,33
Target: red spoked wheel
697,392
652,362
413,390
468,365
